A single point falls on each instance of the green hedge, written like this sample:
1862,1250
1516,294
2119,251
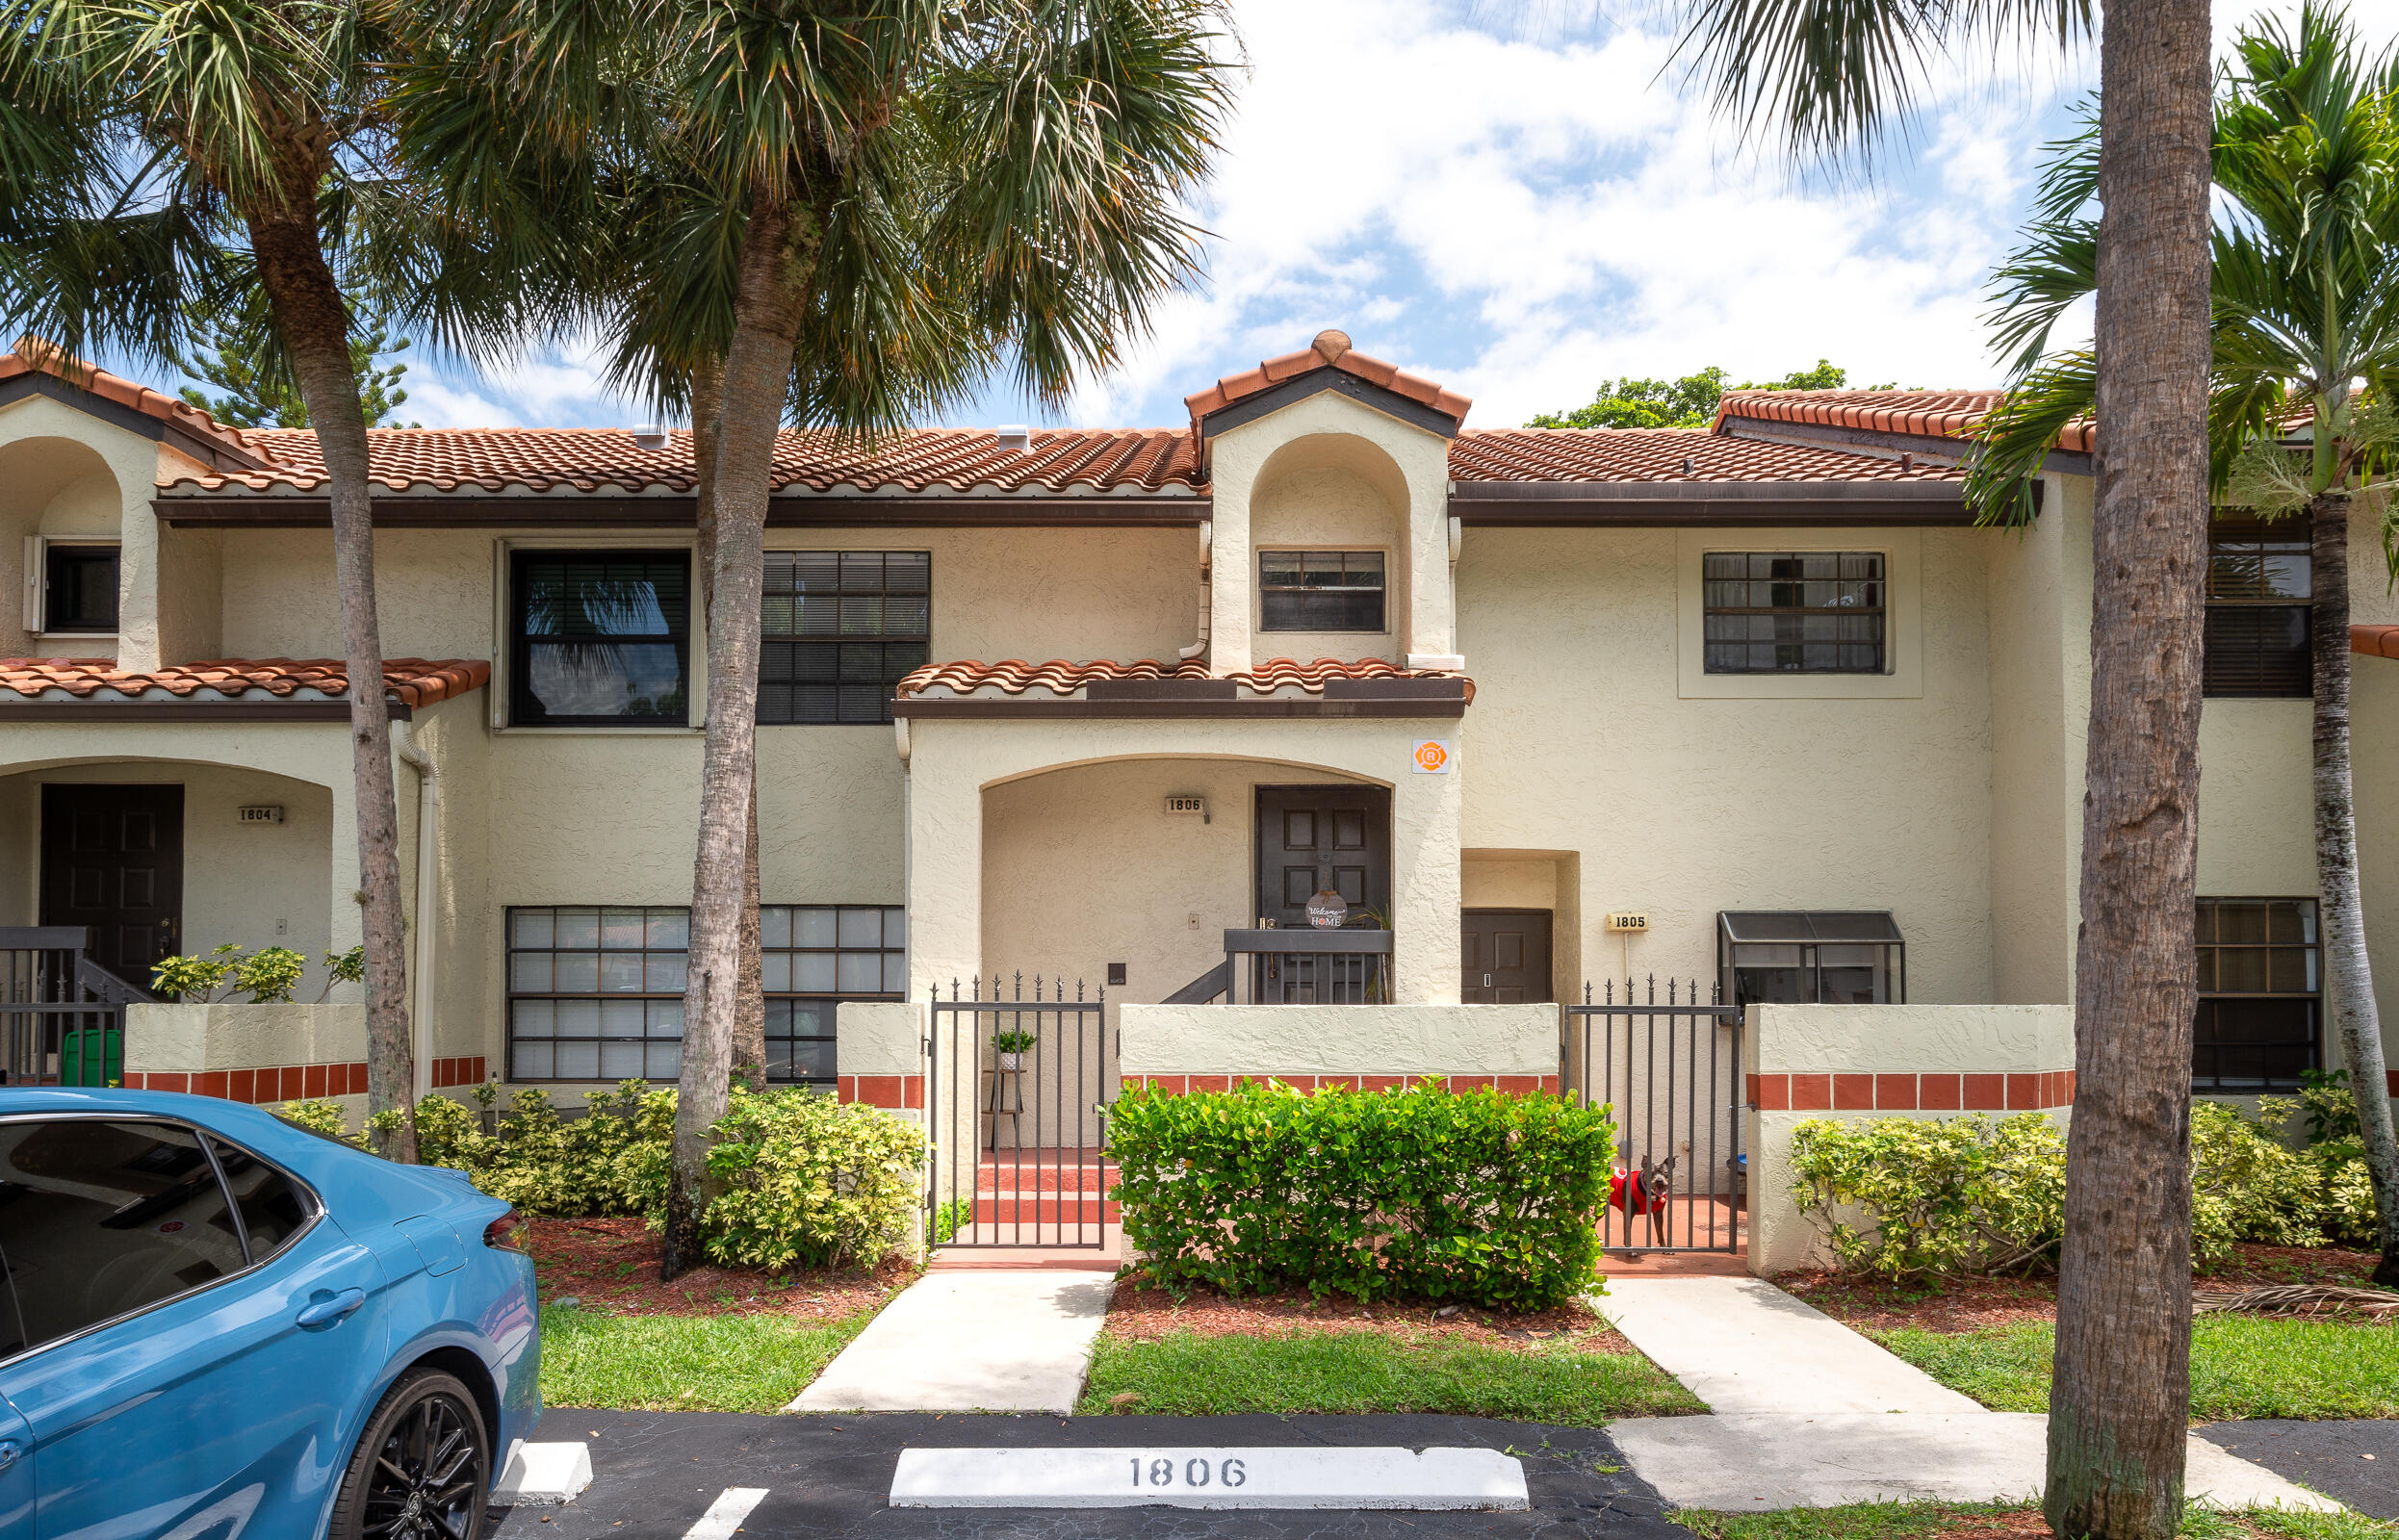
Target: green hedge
1475,1197
1919,1197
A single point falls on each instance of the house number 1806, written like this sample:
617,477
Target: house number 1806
1161,1472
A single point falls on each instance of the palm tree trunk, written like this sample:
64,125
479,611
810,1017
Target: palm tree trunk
315,325
2354,1014
2121,1390
778,260
749,1027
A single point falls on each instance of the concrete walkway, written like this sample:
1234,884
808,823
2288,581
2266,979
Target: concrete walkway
1000,1341
1809,1414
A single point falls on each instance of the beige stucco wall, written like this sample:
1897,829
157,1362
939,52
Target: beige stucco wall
1264,470
1579,740
1348,1039
1887,1039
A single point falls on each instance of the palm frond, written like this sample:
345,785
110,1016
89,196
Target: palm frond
2015,437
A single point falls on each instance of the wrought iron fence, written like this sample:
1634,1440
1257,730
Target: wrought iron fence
61,1014
1670,1071
1017,1112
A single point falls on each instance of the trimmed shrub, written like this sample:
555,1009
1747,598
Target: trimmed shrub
812,1182
1475,1197
1909,1198
2247,1185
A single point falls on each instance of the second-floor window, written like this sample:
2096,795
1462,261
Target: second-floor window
2260,584
1321,591
839,629
2261,995
602,639
1794,611
79,588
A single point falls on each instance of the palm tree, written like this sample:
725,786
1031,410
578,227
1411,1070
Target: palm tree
1828,76
161,160
2305,280
883,185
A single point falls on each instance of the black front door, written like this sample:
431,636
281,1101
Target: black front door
111,860
1505,955
1313,837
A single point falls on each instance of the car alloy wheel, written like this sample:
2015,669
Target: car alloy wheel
420,1470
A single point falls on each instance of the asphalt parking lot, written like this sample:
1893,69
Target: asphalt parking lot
657,1474
2356,1462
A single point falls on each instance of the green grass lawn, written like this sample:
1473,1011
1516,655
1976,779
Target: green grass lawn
1187,1374
724,1363
1976,1521
2241,1366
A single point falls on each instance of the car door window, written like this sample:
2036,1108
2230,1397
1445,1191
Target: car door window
274,1207
99,1217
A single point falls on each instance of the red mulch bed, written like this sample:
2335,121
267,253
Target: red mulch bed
1139,1314
612,1267
1972,1304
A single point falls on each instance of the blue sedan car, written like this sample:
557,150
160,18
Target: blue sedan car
216,1326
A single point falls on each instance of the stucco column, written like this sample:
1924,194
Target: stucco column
1427,876
347,923
1230,563
1431,625
945,858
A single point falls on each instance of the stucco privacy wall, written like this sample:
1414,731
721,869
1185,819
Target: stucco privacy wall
1348,1039
1406,467
951,765
251,1053
237,879
1578,739
1858,1062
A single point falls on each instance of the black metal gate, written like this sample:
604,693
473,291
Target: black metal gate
1672,1071
1017,1117
61,1014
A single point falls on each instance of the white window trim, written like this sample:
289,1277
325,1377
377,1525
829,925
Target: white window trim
38,583
1334,640
1903,615
504,633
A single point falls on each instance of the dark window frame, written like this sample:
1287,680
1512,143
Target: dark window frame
1381,588
2304,1051
59,555
779,961
525,709
2240,660
205,1135
838,677
1716,652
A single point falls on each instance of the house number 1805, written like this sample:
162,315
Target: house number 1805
1161,1472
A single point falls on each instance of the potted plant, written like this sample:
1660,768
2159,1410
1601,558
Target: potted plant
1013,1047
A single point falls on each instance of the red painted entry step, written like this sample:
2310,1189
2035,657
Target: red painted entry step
1044,1186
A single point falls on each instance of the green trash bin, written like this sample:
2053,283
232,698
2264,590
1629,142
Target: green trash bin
91,1056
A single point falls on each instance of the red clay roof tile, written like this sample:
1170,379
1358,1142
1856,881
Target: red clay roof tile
1329,351
1059,677
1927,414
412,682
32,355
2375,641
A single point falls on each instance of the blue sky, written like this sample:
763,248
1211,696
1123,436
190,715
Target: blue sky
1515,201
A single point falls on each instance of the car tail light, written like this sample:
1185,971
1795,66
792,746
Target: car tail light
506,1233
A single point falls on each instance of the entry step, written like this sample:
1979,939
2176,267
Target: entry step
1432,1479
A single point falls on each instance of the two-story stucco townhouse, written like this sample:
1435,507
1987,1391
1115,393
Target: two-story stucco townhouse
1768,669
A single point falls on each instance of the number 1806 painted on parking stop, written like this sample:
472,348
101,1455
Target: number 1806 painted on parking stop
1193,1471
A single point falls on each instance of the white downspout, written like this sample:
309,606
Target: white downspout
429,849
1207,539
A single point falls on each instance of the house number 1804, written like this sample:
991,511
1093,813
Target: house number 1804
1162,1472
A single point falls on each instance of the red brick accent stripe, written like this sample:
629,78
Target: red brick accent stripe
881,1090
293,1082
467,1071
1309,1085
2035,1092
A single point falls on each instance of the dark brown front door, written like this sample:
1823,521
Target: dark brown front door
112,860
1505,955
1309,836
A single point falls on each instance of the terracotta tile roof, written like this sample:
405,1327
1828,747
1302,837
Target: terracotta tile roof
1925,414
412,682
937,460
1059,677
1329,351
31,355
1662,454
2375,641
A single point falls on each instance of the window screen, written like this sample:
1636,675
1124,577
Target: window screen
79,588
2261,995
595,994
1320,590
602,638
839,629
2260,583
1793,611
